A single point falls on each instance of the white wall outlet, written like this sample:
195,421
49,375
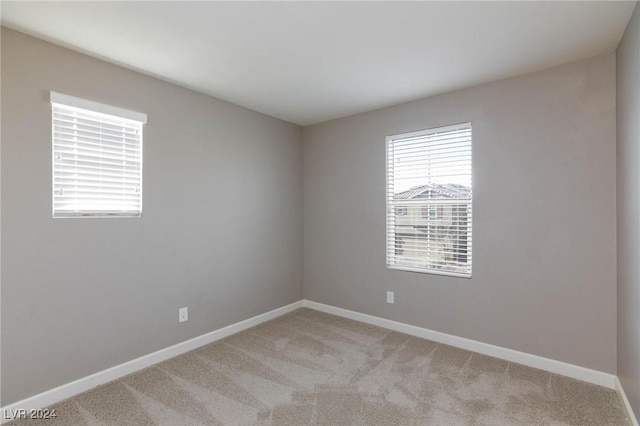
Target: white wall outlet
183,314
390,297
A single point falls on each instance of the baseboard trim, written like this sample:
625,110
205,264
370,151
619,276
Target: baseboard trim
625,402
558,367
68,390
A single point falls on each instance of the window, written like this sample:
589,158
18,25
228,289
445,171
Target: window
97,159
429,174
428,211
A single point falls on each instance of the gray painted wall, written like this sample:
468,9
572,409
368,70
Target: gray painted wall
544,225
221,230
628,168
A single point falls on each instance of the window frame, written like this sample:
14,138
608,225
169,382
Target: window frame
390,206
95,109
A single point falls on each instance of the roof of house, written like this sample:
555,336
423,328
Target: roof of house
435,190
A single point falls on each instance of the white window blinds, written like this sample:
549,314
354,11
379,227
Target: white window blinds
429,201
97,159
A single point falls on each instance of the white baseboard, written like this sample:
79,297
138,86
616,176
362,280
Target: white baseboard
68,390
558,367
81,385
625,402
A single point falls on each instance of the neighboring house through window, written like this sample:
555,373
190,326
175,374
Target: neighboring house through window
97,159
429,175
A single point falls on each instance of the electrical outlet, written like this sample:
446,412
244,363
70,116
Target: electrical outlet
390,297
183,314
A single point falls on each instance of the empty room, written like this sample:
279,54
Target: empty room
320,213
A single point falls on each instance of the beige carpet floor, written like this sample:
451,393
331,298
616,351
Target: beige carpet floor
311,368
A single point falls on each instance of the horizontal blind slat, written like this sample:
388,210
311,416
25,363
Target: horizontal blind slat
62,138
93,159
92,116
81,135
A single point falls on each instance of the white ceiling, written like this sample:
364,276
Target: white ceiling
308,62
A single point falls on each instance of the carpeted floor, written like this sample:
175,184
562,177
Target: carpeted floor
308,367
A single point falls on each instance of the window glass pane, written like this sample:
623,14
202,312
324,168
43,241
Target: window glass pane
429,201
97,163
